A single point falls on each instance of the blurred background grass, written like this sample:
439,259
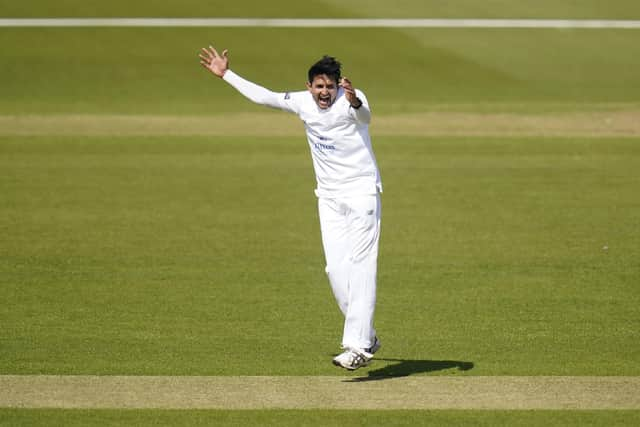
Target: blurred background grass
156,70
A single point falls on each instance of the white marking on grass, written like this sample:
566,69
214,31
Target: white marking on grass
319,23
323,392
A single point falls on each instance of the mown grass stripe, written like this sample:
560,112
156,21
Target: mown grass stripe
320,392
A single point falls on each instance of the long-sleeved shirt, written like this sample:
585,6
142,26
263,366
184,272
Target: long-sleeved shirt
338,137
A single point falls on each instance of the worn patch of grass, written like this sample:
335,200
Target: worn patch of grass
390,392
589,124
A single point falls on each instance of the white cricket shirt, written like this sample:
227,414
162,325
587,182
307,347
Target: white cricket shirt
338,137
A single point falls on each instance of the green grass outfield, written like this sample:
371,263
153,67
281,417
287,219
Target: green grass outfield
200,255
188,257
320,418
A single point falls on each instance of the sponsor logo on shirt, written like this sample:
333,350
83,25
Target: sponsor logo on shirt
323,147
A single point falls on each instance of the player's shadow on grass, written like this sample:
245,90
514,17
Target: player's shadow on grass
404,368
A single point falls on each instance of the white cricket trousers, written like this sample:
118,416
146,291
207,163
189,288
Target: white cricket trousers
350,230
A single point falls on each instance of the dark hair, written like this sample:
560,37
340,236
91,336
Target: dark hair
327,65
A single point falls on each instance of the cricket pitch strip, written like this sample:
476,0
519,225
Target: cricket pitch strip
320,392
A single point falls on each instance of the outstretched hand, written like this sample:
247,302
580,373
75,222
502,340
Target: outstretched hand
213,61
350,92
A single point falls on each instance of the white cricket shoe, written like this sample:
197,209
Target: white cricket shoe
353,359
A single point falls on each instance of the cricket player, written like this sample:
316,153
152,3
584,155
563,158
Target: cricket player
336,119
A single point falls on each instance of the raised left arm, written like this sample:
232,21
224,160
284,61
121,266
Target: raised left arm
214,62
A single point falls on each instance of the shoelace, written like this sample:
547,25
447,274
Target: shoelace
356,358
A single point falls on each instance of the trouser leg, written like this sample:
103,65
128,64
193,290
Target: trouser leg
336,248
351,231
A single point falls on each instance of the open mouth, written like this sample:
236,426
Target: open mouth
324,101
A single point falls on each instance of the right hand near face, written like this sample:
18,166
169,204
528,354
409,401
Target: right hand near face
214,62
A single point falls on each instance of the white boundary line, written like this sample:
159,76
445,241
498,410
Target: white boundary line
318,23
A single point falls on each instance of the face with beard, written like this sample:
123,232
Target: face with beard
324,90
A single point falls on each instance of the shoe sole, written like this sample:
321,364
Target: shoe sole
339,365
